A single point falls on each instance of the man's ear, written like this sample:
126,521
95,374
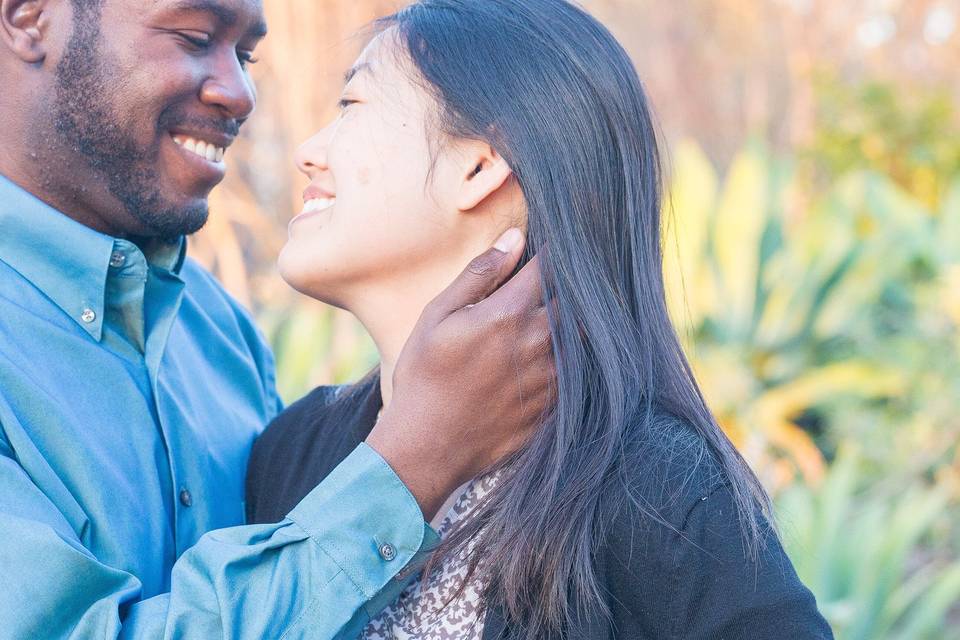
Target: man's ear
484,172
23,27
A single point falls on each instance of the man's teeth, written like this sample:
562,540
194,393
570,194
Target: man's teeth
205,150
318,204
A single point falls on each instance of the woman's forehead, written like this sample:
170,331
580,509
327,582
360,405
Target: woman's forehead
384,56
385,69
375,54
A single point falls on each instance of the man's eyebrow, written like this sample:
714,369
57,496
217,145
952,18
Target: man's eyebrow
225,15
349,75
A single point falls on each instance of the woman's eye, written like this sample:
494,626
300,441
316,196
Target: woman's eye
345,102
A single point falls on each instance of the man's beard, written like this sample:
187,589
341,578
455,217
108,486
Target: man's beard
84,119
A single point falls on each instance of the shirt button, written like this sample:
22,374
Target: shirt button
185,498
117,259
387,551
88,315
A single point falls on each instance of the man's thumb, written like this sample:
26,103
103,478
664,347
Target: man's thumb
483,275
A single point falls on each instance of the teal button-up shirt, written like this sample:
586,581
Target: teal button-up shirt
131,389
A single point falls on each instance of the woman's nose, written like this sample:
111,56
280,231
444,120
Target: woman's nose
311,157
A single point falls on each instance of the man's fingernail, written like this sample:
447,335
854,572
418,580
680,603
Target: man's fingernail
509,241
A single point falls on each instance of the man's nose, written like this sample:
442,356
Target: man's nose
231,90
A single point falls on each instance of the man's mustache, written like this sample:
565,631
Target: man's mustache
226,126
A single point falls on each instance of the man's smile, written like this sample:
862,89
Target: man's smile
203,155
207,150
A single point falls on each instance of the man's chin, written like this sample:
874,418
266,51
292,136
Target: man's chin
174,220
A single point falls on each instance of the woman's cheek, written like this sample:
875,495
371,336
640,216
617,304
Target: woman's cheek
364,176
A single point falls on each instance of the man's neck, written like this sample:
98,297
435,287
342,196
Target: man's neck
36,171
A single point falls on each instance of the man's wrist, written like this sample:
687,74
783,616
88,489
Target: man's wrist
429,480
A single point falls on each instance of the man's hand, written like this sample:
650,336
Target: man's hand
473,381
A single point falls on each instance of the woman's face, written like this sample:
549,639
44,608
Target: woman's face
375,213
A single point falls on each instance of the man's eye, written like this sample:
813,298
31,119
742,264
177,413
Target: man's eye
197,40
246,58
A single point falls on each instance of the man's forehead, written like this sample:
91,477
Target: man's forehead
229,13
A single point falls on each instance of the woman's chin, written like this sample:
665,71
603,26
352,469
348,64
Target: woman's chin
310,280
288,268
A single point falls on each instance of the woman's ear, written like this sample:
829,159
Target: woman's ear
23,24
484,172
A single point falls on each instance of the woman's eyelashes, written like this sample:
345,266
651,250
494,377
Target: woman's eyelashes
343,103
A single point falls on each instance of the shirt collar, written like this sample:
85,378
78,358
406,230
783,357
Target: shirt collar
64,259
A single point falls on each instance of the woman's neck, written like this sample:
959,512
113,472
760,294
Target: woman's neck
390,309
389,315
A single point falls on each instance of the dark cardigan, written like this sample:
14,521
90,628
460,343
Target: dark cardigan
685,578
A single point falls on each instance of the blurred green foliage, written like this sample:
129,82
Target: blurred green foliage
877,557
820,298
909,136
812,320
314,342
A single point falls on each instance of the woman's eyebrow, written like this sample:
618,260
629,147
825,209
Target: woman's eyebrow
354,70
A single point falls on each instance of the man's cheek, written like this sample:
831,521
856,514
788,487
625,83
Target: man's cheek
139,123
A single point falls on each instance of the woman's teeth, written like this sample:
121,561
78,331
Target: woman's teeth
318,204
205,150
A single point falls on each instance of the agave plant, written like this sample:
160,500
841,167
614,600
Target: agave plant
877,559
789,303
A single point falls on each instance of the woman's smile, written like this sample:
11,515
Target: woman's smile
312,208
315,200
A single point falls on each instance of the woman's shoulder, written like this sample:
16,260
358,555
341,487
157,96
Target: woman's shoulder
304,411
677,557
303,444
671,465
671,472
295,422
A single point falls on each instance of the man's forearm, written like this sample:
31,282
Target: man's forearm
310,576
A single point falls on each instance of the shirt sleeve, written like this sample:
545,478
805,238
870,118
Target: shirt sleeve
319,574
720,591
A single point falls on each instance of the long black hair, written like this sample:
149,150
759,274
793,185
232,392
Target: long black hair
557,96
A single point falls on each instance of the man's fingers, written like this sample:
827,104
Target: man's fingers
483,275
521,294
539,334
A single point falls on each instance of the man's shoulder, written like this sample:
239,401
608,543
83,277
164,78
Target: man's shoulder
200,282
204,291
217,320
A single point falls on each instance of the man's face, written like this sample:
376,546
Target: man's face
149,96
